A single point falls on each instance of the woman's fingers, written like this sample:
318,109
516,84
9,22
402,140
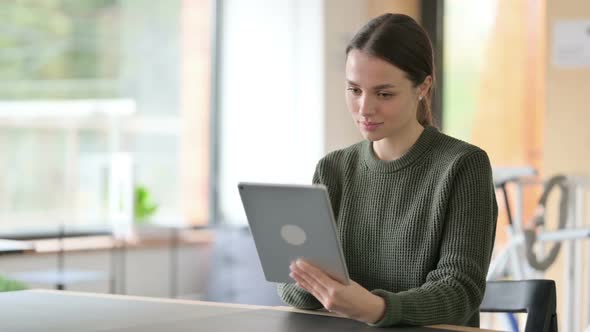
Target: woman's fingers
317,275
312,282
309,286
318,283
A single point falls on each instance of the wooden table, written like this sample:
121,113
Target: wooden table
64,311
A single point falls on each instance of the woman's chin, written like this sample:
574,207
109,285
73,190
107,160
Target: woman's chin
372,137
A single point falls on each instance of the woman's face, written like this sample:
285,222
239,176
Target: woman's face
381,99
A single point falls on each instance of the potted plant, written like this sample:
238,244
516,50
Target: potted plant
144,207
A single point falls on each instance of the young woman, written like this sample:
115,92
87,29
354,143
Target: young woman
416,209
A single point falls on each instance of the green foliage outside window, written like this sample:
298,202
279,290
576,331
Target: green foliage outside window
46,43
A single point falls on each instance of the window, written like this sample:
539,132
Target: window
494,81
148,61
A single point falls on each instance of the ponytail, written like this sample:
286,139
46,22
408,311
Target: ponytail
424,114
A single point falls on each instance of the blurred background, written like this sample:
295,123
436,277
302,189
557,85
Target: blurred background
125,126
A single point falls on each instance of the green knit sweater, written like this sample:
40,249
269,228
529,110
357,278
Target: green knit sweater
417,231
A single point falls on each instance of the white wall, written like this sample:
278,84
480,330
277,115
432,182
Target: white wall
342,19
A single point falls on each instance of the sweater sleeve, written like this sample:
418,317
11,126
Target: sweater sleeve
292,294
453,291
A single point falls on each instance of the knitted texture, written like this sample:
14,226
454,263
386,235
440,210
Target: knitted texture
417,231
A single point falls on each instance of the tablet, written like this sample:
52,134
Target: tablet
290,222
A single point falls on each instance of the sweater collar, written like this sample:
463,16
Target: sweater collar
422,145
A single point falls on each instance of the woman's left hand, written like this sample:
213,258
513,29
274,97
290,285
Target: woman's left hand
350,300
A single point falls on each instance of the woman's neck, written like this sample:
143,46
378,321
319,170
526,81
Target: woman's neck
394,147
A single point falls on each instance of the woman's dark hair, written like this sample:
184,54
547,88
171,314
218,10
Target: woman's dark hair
401,41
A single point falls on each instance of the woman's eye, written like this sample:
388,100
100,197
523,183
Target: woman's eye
355,91
385,95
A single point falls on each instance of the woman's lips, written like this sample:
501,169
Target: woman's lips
370,126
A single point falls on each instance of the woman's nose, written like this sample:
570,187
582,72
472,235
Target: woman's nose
366,106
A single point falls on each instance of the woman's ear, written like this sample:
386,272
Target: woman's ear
425,86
